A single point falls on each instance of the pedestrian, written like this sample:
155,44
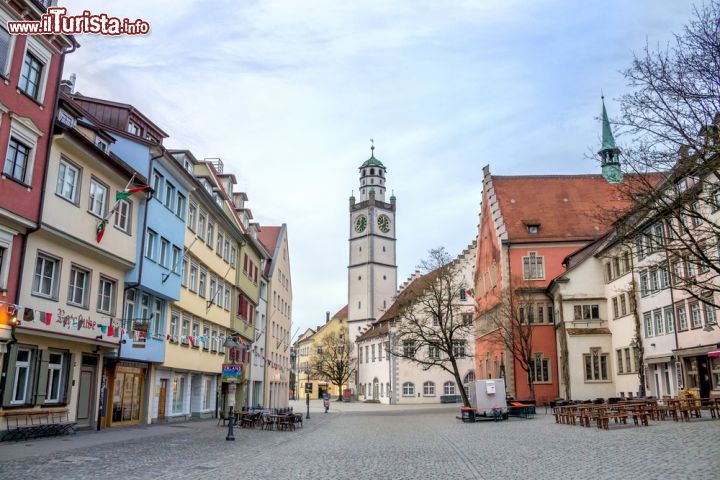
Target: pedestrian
326,402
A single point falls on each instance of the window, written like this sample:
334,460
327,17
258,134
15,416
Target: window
22,377
213,287
695,315
45,279
178,394
616,309
459,349
408,348
185,268
98,198
78,287
203,282
185,328
644,284
647,317
659,322
226,257
192,214
17,161
219,247
653,276
202,220
209,394
586,312
233,256
133,128
174,320
463,294
67,181
623,305
408,389
129,313
669,320
106,296
180,205
664,276
619,355
123,216
540,369
170,196
54,378
628,360
710,316
31,75
626,262
151,244
428,389
596,366
682,317
156,326
690,268
640,247
433,352
211,233
145,306
449,388
5,44
193,277
164,253
469,378
533,268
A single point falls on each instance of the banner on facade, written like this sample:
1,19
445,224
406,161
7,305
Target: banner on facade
232,371
139,330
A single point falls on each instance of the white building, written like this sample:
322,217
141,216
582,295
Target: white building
257,363
389,379
372,270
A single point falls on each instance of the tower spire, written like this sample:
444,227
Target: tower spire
372,148
609,153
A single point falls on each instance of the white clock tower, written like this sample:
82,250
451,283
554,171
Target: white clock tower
372,271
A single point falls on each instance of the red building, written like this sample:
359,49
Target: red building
528,225
30,72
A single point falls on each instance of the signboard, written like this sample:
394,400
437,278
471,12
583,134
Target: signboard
139,331
232,371
308,387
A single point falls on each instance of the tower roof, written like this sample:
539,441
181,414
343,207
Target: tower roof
608,141
372,162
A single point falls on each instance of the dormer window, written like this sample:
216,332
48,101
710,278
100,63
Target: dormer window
151,138
533,229
66,118
133,128
101,145
189,166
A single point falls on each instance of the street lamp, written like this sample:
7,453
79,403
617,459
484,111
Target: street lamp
230,342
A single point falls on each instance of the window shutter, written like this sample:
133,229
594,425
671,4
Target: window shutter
10,377
40,361
67,372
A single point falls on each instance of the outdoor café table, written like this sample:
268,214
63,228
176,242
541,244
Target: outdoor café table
276,419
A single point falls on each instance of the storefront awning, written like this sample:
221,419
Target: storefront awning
714,354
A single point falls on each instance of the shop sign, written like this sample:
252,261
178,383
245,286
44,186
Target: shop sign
232,371
139,330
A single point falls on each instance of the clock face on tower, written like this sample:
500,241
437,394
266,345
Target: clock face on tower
360,223
383,223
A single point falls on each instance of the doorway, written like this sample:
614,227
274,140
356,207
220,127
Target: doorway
703,376
162,398
84,414
322,390
126,395
376,390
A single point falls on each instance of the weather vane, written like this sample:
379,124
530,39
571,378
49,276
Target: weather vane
372,147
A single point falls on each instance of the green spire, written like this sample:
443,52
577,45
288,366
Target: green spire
608,141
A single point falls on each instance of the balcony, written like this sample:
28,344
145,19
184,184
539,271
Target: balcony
152,351
245,329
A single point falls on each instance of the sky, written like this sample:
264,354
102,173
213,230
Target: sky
288,93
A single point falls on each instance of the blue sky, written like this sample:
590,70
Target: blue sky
288,93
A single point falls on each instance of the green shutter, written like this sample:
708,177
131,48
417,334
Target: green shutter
67,377
40,362
10,377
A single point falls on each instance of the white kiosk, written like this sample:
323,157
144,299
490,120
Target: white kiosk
487,397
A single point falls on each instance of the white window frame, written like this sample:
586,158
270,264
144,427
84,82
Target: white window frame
55,370
6,242
61,183
165,249
102,284
534,261
408,389
25,131
126,206
428,389
5,68
54,280
592,355
73,288
92,199
14,400
151,244
449,388
44,56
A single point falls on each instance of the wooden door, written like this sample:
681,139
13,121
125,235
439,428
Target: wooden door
86,397
162,398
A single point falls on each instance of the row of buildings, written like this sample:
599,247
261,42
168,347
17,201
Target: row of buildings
134,285
603,294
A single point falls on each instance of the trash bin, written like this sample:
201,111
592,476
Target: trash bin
467,415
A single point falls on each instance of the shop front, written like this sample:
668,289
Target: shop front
702,370
126,384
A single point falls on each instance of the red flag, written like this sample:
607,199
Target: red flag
192,343
48,318
111,330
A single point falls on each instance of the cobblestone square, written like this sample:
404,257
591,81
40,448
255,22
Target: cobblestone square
362,441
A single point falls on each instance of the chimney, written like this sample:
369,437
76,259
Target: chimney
327,317
68,85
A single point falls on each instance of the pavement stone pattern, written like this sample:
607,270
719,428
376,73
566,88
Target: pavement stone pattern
378,442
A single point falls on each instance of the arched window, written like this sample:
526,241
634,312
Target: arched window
382,389
428,389
469,378
449,388
372,171
387,389
408,389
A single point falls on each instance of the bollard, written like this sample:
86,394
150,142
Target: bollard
307,402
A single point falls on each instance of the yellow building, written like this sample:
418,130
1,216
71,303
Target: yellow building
307,346
200,322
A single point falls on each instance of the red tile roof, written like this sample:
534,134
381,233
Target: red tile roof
342,313
566,207
268,236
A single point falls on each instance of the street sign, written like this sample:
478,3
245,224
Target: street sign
308,387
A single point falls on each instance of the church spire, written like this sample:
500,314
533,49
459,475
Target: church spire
609,153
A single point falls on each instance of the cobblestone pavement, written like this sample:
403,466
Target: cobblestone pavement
383,443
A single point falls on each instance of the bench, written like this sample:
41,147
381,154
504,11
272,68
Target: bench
34,423
450,399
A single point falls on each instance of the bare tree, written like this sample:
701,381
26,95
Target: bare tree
512,322
331,360
429,321
672,117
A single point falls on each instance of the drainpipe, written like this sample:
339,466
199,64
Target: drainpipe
40,208
675,356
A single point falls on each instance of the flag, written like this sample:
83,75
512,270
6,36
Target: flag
48,318
28,315
471,292
129,191
103,328
192,342
100,230
111,330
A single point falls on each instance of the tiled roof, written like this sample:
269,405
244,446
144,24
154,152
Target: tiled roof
410,293
378,329
566,207
342,313
268,237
